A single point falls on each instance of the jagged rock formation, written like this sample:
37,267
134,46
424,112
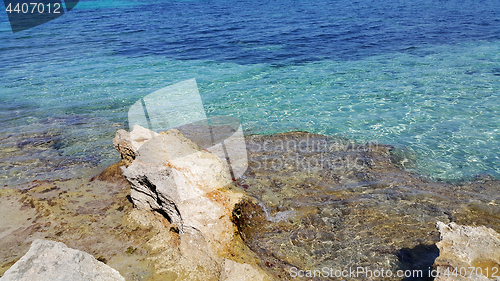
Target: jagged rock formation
191,188
466,252
53,261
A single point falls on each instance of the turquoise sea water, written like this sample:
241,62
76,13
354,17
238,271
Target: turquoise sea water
423,76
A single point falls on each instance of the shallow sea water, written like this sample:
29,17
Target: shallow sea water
420,75
441,108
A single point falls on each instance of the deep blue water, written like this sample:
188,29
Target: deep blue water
421,75
273,32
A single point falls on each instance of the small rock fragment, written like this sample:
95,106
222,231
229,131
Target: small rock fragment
53,261
467,253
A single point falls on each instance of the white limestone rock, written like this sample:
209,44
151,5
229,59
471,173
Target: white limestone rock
464,248
172,176
190,187
53,261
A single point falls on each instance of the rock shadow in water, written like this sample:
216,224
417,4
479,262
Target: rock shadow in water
418,259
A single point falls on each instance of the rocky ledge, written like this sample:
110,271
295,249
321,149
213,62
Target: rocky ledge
171,211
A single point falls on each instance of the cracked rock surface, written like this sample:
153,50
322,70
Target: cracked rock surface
193,190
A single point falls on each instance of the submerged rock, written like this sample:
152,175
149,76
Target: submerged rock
467,253
327,202
53,261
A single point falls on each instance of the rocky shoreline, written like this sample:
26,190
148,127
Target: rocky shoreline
305,202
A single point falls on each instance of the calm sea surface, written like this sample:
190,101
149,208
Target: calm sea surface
421,75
